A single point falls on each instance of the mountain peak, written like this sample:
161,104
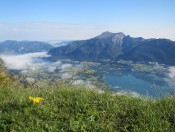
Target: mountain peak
108,34
116,38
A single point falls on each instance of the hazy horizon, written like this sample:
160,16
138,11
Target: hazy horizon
45,20
61,40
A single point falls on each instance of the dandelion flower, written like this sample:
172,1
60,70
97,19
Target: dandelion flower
35,100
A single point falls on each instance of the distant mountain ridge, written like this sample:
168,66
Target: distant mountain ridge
116,46
103,46
59,43
22,47
157,50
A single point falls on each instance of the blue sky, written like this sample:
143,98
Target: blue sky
83,19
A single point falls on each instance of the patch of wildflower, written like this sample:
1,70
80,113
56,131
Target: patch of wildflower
35,100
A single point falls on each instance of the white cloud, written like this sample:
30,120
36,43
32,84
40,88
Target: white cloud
55,65
23,61
131,93
65,66
171,76
51,68
34,62
66,76
171,73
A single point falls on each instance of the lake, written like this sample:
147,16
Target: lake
139,83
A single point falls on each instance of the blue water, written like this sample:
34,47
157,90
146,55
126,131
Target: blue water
137,82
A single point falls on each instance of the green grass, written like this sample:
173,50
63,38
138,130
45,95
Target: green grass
66,108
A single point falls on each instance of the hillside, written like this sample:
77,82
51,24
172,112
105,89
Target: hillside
158,50
116,46
4,77
68,108
105,46
22,47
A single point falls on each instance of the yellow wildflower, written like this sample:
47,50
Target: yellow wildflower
35,100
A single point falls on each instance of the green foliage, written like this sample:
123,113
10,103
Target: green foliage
4,77
67,108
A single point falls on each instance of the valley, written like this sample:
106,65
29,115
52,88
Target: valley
124,77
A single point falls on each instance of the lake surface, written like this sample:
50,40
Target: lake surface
139,83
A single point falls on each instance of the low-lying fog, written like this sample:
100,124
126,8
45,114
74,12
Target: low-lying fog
34,61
